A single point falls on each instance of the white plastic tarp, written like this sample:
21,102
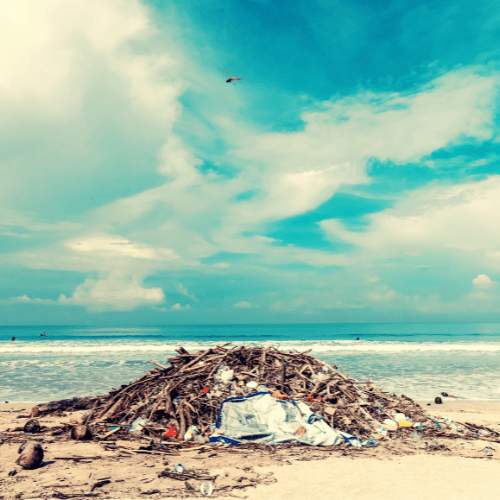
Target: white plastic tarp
260,418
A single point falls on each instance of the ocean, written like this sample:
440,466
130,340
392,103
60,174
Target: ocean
419,360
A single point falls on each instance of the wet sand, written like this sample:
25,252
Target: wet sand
460,471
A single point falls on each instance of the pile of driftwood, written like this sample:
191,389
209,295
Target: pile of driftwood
170,399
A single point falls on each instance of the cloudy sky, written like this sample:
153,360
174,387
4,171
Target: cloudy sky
352,175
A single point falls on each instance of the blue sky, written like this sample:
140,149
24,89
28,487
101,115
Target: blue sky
352,175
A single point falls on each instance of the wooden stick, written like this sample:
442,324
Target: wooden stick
110,433
182,429
195,360
158,364
283,372
64,485
89,416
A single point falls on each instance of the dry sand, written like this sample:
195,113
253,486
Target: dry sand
461,471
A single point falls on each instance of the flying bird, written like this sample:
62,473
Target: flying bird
232,79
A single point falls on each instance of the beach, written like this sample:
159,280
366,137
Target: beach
460,470
419,361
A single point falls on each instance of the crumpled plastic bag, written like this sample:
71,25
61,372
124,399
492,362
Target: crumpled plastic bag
260,418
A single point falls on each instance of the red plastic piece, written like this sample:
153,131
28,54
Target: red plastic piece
172,432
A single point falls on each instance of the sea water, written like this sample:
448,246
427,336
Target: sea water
419,360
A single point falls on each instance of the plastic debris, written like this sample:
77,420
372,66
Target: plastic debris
207,488
137,426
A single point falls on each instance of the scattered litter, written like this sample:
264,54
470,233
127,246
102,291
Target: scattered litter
207,488
185,402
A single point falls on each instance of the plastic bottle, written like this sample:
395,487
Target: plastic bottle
191,433
207,488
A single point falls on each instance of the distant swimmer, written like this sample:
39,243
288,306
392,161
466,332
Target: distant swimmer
13,338
43,334
357,338
232,79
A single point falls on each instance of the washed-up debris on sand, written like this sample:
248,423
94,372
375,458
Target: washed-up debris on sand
170,400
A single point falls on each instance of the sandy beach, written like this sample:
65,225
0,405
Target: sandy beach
72,469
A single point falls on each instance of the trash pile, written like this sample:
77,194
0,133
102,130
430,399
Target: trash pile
182,401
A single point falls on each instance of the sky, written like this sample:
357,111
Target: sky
352,175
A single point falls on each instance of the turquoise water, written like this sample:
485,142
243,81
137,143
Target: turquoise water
419,360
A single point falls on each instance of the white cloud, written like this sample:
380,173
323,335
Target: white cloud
304,169
24,299
178,307
482,281
113,246
15,235
383,296
265,239
73,72
117,292
184,291
53,43
222,265
243,305
434,220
